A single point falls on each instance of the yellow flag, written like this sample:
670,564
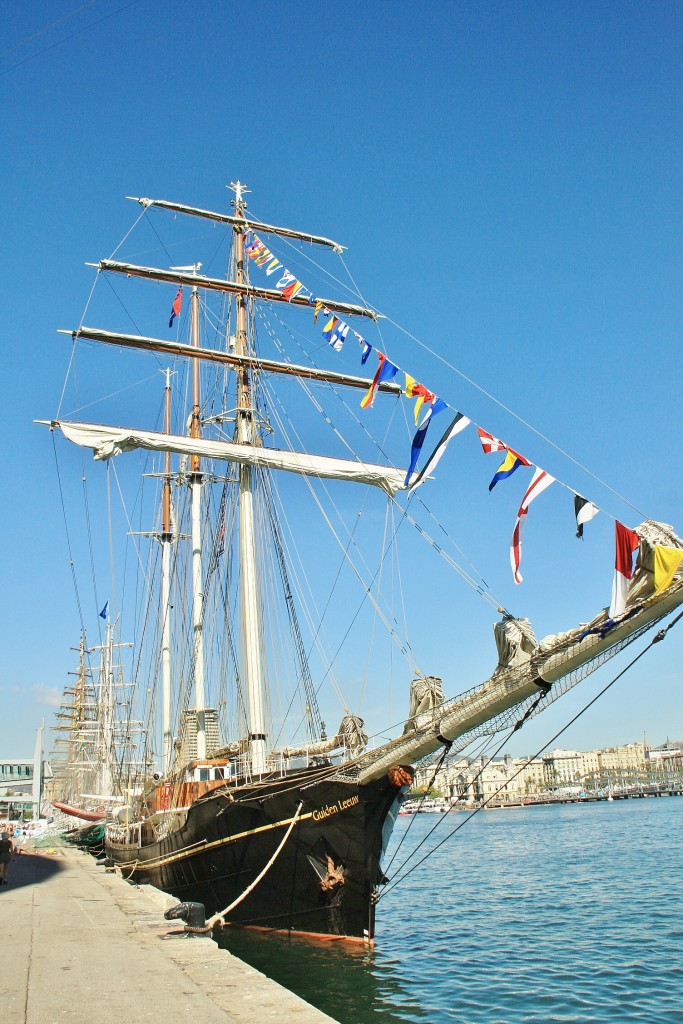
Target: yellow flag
667,561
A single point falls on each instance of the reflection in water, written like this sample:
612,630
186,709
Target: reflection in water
550,913
344,980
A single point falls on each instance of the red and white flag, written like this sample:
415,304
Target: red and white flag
538,484
627,543
490,443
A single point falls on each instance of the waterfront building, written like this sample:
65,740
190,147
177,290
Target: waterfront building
21,783
629,757
496,782
563,767
668,757
16,787
591,764
529,778
506,780
512,780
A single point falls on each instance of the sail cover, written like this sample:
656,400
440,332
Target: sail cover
107,441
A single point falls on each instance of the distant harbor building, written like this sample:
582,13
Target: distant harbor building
495,781
568,767
16,788
512,780
509,779
591,763
188,738
21,785
668,756
531,776
628,757
562,767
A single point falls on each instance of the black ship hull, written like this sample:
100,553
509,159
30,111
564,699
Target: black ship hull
321,883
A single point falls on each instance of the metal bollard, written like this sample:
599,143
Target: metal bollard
193,914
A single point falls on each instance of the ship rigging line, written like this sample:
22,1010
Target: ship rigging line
404,646
660,635
68,538
520,419
482,587
66,39
530,711
356,292
487,394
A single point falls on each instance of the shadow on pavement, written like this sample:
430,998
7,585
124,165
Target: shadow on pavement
32,869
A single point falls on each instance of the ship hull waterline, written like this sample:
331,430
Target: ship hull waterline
322,883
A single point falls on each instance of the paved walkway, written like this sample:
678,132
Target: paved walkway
78,945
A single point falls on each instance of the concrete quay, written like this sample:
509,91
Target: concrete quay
79,944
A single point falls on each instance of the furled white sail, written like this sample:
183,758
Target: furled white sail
107,441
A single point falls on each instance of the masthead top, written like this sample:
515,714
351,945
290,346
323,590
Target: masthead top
240,190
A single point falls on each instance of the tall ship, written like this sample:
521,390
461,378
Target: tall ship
93,736
265,455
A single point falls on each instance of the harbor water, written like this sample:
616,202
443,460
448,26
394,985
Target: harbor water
563,913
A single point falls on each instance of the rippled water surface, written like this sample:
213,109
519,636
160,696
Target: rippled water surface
569,913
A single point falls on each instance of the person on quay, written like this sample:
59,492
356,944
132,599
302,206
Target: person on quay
6,851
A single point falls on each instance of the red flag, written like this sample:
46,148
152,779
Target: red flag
177,306
291,290
626,543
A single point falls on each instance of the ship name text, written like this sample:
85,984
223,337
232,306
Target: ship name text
341,805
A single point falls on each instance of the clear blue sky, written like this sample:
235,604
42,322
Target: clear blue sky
507,178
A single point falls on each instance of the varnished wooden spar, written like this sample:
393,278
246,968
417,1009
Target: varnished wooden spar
78,812
176,348
239,222
218,284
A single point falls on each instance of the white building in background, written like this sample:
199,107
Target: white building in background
563,767
668,757
508,779
511,780
531,776
21,782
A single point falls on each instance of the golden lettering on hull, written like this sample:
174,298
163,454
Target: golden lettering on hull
341,805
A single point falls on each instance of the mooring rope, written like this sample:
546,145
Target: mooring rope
219,917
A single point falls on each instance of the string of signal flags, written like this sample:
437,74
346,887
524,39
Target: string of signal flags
428,405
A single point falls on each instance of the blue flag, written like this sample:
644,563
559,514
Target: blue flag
437,405
105,610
